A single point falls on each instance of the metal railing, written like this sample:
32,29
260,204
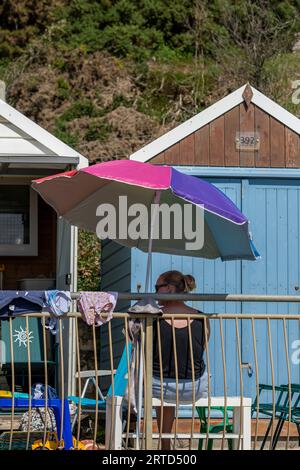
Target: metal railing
274,363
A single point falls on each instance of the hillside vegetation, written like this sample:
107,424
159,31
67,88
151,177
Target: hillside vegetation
108,76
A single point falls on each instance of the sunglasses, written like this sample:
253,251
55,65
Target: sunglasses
158,286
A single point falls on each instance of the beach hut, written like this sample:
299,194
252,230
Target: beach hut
37,251
249,147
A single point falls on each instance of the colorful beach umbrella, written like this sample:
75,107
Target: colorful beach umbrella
76,195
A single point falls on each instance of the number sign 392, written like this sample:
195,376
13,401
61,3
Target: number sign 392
247,141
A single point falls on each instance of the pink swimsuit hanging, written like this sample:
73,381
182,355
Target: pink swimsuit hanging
92,305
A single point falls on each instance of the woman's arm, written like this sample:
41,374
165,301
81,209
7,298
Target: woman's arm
206,326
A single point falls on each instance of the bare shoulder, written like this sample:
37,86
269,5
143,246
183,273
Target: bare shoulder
191,310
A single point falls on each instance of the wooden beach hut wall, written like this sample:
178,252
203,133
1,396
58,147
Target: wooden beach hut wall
249,147
37,250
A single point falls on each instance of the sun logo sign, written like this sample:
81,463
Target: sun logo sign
21,337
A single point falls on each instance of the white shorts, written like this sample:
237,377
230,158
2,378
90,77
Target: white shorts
185,389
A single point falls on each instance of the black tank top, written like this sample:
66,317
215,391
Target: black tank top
183,350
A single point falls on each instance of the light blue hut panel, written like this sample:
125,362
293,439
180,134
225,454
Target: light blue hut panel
273,207
115,277
212,276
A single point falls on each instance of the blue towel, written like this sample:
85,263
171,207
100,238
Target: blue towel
13,303
58,303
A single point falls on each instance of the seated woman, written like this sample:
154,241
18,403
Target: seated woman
174,282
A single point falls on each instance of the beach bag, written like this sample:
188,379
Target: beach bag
37,419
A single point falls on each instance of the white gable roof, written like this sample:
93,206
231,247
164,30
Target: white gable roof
212,112
21,137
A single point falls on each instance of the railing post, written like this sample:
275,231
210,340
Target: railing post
149,372
113,423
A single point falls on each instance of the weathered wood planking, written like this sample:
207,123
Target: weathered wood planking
216,130
232,125
262,126
172,155
247,158
292,148
215,143
277,147
202,146
187,150
160,158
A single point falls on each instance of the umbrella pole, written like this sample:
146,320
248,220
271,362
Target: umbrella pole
156,200
148,406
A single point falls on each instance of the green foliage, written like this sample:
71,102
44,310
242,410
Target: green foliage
63,84
130,40
88,261
80,108
63,88
97,131
119,100
161,88
175,92
21,21
182,54
282,80
60,63
141,29
136,28
167,55
4,66
61,132
169,31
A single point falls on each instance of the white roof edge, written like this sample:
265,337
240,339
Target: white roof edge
213,112
276,111
38,133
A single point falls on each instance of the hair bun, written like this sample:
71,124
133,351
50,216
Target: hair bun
183,283
190,283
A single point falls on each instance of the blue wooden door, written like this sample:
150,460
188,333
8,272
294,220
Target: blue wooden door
211,277
273,207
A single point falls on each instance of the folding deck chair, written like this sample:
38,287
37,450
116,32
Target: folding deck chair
117,388
281,409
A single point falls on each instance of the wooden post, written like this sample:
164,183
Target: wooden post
113,430
149,372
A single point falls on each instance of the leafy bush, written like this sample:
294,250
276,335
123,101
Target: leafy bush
79,108
21,21
88,261
62,133
98,131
